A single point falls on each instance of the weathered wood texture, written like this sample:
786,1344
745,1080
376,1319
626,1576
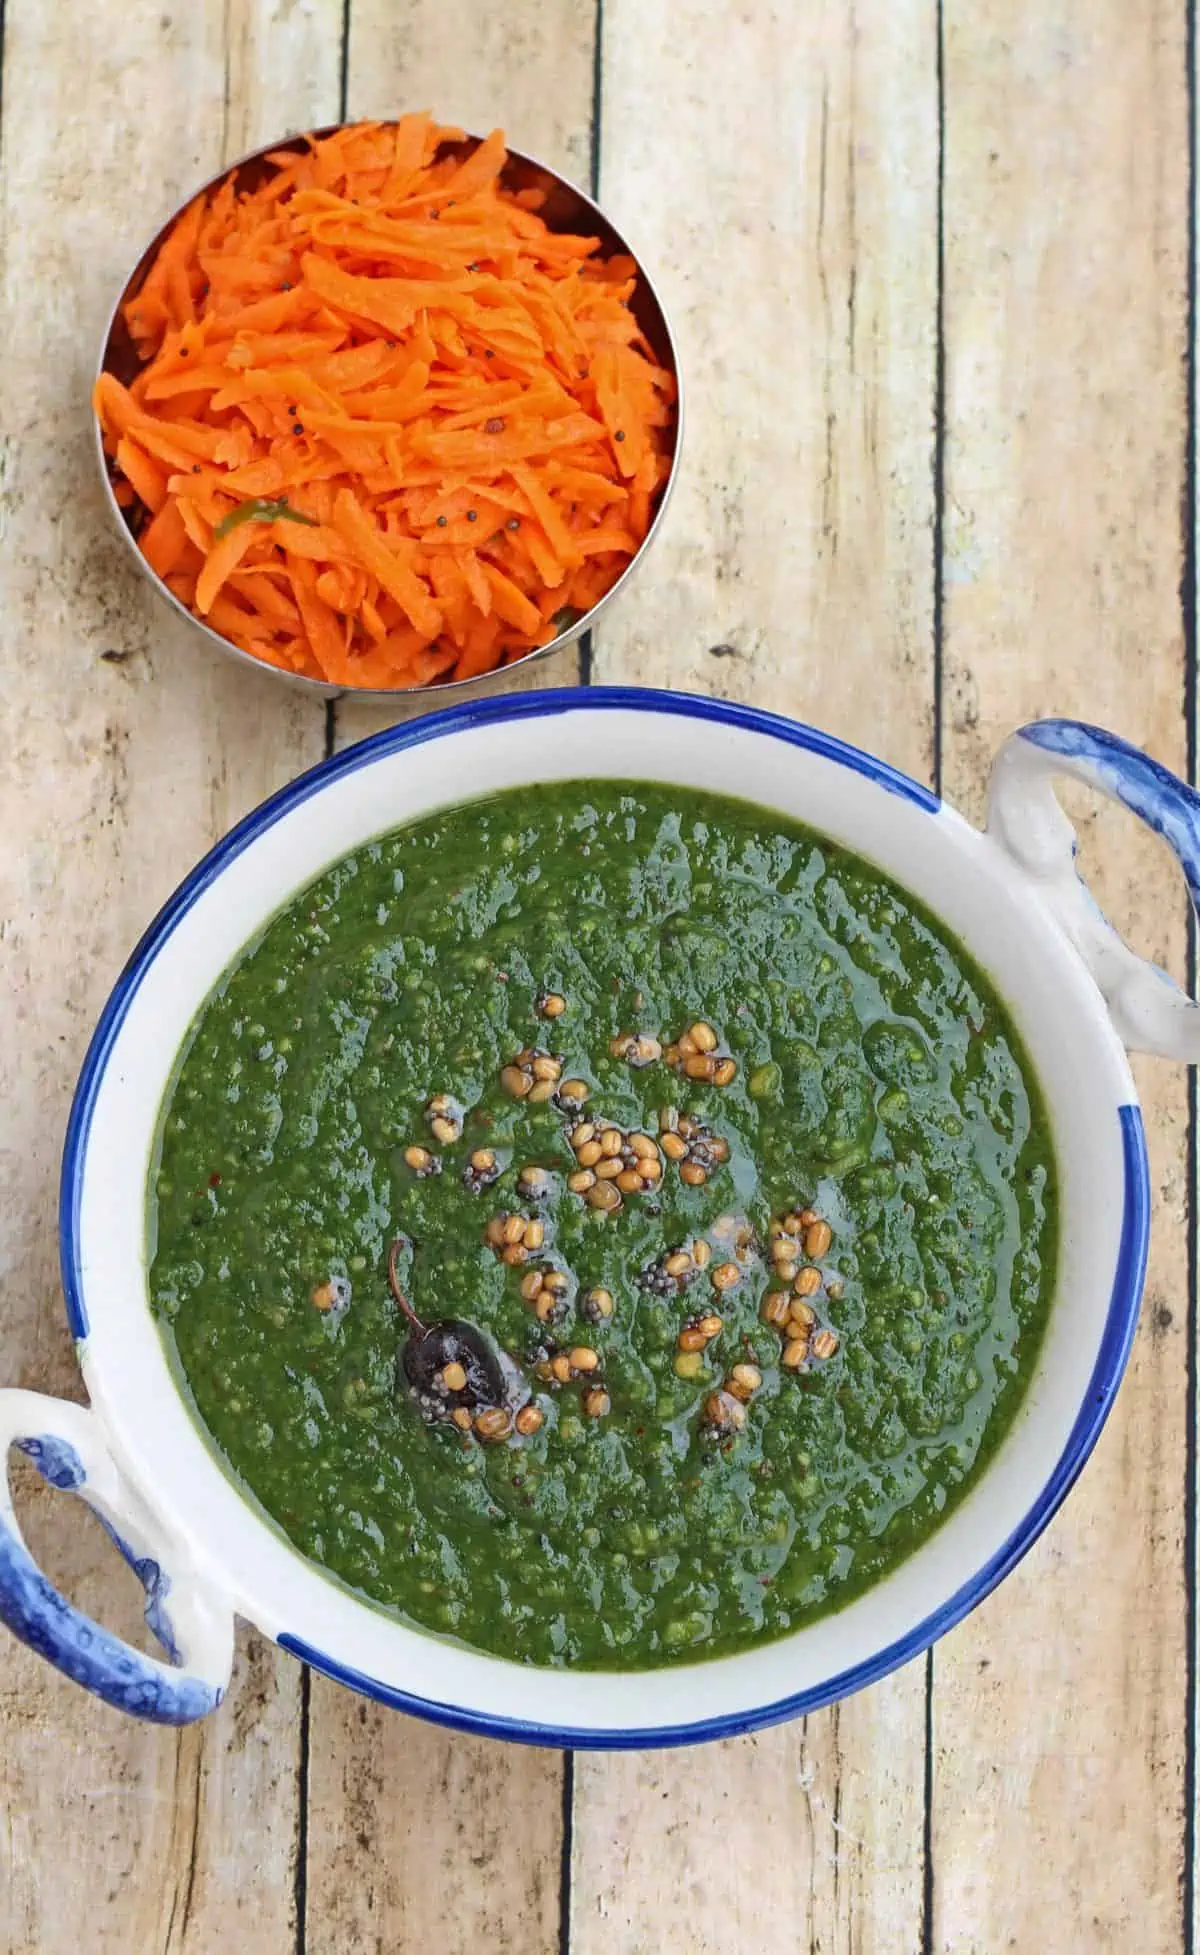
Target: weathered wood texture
128,750
1060,1710
798,258
481,1822
780,169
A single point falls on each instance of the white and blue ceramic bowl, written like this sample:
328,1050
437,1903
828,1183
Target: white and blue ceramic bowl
207,1555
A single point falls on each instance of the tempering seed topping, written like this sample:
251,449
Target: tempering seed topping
695,1054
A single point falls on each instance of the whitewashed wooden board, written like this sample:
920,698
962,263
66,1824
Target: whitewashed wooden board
929,264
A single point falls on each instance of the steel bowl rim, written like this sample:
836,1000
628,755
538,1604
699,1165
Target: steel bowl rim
450,689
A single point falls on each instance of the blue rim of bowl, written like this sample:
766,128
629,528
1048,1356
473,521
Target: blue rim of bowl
1120,1321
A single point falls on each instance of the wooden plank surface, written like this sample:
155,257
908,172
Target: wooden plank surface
1060,1708
798,260
780,170
128,750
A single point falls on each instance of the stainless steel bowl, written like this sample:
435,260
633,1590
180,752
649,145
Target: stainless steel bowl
565,208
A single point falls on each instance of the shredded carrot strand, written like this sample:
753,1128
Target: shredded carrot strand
389,427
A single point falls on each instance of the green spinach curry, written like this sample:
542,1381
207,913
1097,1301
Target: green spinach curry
607,1224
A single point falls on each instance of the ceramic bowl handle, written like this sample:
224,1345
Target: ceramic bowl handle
195,1628
1148,1010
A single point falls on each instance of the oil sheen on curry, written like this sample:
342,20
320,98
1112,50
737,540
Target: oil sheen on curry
606,1224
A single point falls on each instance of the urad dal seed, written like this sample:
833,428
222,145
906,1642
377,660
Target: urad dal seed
692,1338
417,1158
776,1308
803,1316
454,1377
629,1181
493,1423
694,1175
494,1232
528,1421
574,1091
580,1183
324,1296
514,1254
546,1306
719,1148
546,1068
817,1238
596,1402
744,1380
483,1159
678,1263
702,1036
807,1282
581,1134
724,1072
667,1119
541,1091
462,1418
513,1228
785,1269
609,1169
535,1235
674,1148
560,1368
532,1177
792,1224
725,1276
556,1281
515,1081
652,1170
710,1324
644,1147
532,1284
824,1344
701,1254
583,1358
699,1066
807,1216
605,1196
591,1152
445,1131
597,1306
611,1142
794,1353
551,1005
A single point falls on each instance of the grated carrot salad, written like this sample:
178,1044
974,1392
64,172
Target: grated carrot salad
390,428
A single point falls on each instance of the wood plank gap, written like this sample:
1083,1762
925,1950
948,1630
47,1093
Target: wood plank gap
344,87
939,416
568,1847
927,1887
938,618
597,95
1187,599
301,1884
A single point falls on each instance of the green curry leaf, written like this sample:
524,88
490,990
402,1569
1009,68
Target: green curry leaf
261,509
